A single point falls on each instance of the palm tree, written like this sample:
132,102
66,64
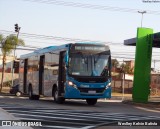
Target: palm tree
8,44
115,63
127,68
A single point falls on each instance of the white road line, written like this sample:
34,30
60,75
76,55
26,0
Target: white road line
59,127
81,116
113,116
64,112
73,114
79,113
55,112
13,97
148,117
42,120
1,96
87,127
107,117
50,109
148,110
30,108
64,127
87,119
25,118
44,116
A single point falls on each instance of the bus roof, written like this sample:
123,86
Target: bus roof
52,48
44,50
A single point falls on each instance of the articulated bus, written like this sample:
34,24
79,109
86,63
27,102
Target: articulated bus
70,71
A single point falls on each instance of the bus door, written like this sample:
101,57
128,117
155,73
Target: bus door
41,74
25,75
62,73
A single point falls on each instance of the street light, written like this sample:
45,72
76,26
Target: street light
142,12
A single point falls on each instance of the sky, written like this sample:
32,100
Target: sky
110,21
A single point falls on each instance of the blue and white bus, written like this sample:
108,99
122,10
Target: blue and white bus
70,71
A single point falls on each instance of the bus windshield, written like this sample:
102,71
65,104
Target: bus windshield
89,64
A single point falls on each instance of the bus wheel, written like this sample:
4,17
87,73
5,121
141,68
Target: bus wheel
31,96
57,99
91,101
30,93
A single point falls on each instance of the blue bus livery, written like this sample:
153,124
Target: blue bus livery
70,71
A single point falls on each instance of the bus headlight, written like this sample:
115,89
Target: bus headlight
72,84
109,85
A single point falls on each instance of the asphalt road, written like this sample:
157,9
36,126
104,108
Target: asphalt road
76,114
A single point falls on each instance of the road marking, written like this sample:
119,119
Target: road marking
117,117
62,127
44,120
51,98
79,115
87,127
70,119
11,97
150,110
64,113
46,116
110,100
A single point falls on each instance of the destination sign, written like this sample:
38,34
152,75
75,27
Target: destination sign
90,48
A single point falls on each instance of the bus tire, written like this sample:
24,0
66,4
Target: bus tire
31,96
57,99
30,92
35,97
91,101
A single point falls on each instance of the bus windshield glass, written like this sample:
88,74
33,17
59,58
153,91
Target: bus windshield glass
89,64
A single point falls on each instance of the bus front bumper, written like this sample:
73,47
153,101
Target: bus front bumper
75,93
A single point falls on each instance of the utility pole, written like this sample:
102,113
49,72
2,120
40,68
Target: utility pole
17,29
123,77
142,12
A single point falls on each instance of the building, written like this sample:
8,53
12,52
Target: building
8,67
130,63
8,71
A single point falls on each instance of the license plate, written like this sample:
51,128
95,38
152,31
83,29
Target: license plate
91,91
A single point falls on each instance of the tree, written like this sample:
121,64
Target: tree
127,68
8,44
115,64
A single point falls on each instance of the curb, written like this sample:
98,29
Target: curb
148,104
